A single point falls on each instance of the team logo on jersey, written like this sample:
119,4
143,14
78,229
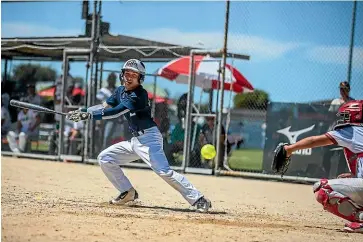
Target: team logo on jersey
293,135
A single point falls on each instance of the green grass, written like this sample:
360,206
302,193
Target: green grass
41,146
246,159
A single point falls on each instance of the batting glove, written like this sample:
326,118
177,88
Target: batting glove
78,115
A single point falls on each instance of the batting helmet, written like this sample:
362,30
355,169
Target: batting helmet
136,66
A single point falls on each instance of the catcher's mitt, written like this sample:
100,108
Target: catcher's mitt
281,162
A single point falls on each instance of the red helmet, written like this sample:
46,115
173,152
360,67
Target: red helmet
350,113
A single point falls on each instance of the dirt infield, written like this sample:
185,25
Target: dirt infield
54,201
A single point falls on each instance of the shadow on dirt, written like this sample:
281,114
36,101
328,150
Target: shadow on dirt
183,210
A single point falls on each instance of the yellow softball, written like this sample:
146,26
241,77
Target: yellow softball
208,152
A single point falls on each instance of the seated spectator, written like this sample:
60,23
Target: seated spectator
5,119
177,144
27,126
108,126
206,137
182,106
73,132
32,96
5,100
161,118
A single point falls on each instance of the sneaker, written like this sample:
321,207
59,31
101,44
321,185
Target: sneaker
16,150
354,227
203,205
125,197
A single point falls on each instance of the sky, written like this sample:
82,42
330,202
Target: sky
299,50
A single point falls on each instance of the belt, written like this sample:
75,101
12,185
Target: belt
138,133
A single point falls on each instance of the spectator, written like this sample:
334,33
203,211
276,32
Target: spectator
58,92
206,137
182,107
5,97
177,144
344,88
73,132
77,94
5,100
263,134
106,92
162,118
5,119
329,152
102,95
27,127
32,96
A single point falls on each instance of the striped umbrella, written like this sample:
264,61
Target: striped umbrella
206,74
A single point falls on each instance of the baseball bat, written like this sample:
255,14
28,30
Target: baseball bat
37,108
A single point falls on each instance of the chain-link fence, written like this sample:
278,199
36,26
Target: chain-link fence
300,53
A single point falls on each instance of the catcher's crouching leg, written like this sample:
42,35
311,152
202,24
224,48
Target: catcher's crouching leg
337,203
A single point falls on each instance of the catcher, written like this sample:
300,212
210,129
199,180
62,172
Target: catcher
342,196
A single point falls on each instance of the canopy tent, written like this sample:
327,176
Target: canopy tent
111,48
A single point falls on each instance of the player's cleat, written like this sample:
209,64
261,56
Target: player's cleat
354,227
203,205
125,197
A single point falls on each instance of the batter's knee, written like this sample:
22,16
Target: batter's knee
11,134
105,159
101,158
22,135
165,172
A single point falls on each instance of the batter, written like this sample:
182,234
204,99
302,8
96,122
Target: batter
131,100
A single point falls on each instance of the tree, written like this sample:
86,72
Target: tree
253,100
30,73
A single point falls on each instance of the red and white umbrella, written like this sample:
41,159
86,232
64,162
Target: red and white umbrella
206,74
49,92
158,99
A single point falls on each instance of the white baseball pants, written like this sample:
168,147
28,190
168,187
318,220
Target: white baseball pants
349,187
12,136
148,147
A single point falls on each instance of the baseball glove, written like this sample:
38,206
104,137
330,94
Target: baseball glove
281,162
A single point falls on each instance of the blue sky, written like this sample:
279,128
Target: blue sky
299,50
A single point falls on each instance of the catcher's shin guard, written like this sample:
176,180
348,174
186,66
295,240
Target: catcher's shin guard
336,203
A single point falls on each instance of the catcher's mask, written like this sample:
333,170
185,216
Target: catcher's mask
350,113
133,65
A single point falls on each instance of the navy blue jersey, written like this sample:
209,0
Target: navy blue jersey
136,101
